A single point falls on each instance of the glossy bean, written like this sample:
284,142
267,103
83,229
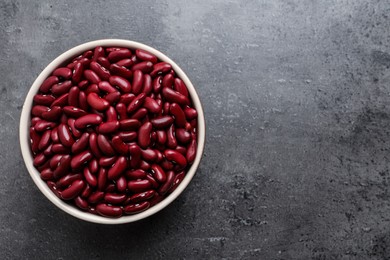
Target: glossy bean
48,83
121,71
136,208
128,136
144,135
109,211
73,191
191,151
80,159
138,186
81,203
92,77
75,112
121,83
89,177
80,144
87,120
68,179
95,197
93,145
162,122
100,71
180,87
160,68
140,113
171,139
174,97
136,103
102,178
168,183
113,198
158,173
108,127
104,145
118,55
135,153
117,169
44,100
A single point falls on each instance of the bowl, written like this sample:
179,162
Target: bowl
25,139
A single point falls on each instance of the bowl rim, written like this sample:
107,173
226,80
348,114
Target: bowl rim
26,118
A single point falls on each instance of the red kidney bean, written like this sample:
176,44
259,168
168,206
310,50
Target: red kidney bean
93,166
121,184
45,140
171,139
83,84
104,62
111,114
73,98
76,133
135,155
113,198
100,71
176,157
166,108
53,188
43,125
136,103
102,178
39,110
44,100
166,165
93,144
147,87
61,101
129,124
146,56
176,181
191,151
144,165
113,97
53,114
135,174
157,86
162,122
108,127
54,135
177,112
105,146
55,160
136,208
121,71
125,62
109,211
86,191
121,109
98,52
73,191
65,135
128,136
127,98
161,137
149,155
167,81
121,83
180,87
61,87
152,106
47,151
107,87
80,159
174,97
119,146
160,68
47,174
152,181
90,119
83,101
80,144
74,111
39,160
96,197
181,149
144,135
168,183
97,102
63,119
48,83
59,149
87,54
137,82
35,120
81,203
138,186
159,156
144,67
142,196
117,169
77,72
68,179
92,77
65,73
141,113
93,88
183,136
89,177
158,173
118,55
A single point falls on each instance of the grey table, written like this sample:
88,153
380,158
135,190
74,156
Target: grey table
296,97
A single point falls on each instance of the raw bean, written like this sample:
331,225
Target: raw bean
65,135
149,155
81,203
89,177
167,81
93,145
39,160
138,186
43,125
78,71
61,88
152,181
166,108
171,139
168,183
121,184
152,106
73,191
129,124
80,159
135,153
135,174
136,208
97,102
108,127
93,166
96,197
167,165
181,150
54,161
177,112
127,98
176,157
144,135
141,113
73,98
93,88
48,83
104,62
157,84
53,188
47,174
162,122
118,55
98,52
125,63
161,137
83,84
160,68
142,196
174,97
105,146
107,161
146,56
144,66
102,178
83,101
137,82
59,149
128,136
121,71
156,199
111,114
117,169
66,180
121,83
39,110
64,73
47,152
80,144
61,101
113,198
90,119
109,211
113,97
148,87
144,165
44,100
76,133
106,87
182,136
91,76
191,151
158,173
45,140
87,54
180,87
119,146
100,71
75,112
136,103
121,109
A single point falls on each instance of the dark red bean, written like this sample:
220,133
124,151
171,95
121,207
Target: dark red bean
111,114
61,87
109,211
180,87
113,198
175,157
121,83
146,56
149,155
45,140
83,84
80,144
167,81
73,98
183,136
107,87
191,151
127,98
59,149
68,179
113,97
128,136
75,112
160,68
73,191
177,112
102,178
121,71
144,67
173,96
100,71
136,208
119,146
152,106
129,124
144,165
93,145
176,181
141,113
83,101
77,72
76,133
104,145
135,174
93,166
121,184
97,102
61,101
156,199
89,177
166,108
48,83
144,135
125,62
117,169
171,139
98,52
47,151
135,155
43,125
181,149
138,81
104,62
168,183
81,203
39,160
53,114
147,87
96,197
87,54
108,127
158,173
55,160
39,110
142,196
65,135
53,188
54,135
157,84
161,137
166,165
92,77
136,103
44,100
87,120
47,174
138,186
118,55
80,159
162,122
159,156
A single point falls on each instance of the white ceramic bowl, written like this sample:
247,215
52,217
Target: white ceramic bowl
25,139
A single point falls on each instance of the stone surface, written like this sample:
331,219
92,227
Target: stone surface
296,97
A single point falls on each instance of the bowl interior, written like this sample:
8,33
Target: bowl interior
25,139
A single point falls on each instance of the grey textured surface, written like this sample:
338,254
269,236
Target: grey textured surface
296,97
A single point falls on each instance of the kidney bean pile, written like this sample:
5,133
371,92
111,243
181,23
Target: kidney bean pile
113,131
